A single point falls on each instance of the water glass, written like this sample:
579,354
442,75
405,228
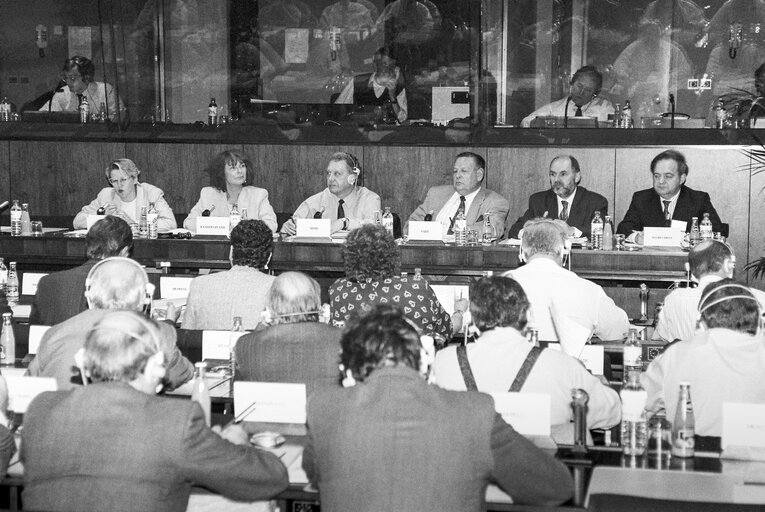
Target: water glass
472,237
37,228
659,438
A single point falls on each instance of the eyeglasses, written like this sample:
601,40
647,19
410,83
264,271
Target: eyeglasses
582,89
120,181
71,78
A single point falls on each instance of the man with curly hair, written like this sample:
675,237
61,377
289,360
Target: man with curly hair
215,299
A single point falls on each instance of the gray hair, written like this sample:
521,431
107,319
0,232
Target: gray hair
543,236
125,165
294,297
117,283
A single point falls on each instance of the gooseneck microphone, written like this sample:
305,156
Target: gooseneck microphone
565,112
4,206
59,88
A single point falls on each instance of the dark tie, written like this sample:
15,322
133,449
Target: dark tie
460,209
667,215
340,209
578,111
564,211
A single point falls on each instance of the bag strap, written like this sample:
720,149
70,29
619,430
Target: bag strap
523,373
467,373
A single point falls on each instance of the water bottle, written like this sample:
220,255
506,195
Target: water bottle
626,118
596,231
695,236
489,232
84,110
26,223
3,276
460,229
12,285
15,218
534,337
634,426
417,274
234,217
212,113
705,229
5,110
608,235
616,123
152,220
7,342
684,428
632,356
721,116
387,220
102,117
244,213
200,393
236,332
143,224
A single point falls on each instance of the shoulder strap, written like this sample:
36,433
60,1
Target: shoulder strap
467,373
523,373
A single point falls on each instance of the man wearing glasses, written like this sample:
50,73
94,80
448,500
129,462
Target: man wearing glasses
582,100
78,75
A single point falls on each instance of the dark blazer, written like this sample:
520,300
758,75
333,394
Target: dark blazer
646,210
394,442
580,212
60,296
108,446
305,352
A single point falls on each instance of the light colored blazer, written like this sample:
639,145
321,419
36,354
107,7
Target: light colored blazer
145,194
254,199
485,201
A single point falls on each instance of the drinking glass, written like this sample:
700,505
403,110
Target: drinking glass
37,228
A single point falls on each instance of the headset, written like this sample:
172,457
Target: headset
355,169
148,287
703,307
324,315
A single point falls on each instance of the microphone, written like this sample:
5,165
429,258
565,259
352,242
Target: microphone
672,108
319,213
565,112
4,206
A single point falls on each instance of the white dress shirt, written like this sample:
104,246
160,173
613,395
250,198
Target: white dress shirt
449,209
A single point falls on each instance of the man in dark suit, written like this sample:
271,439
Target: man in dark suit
61,295
114,445
669,199
394,442
565,200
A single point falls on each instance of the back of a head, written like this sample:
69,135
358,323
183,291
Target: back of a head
117,283
382,337
543,236
108,237
729,305
498,301
119,345
294,297
370,252
709,257
251,244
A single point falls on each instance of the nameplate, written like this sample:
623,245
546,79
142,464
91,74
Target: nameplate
422,230
92,219
591,356
274,402
29,282
313,228
174,287
219,344
35,336
743,431
528,413
22,390
662,237
679,225
216,226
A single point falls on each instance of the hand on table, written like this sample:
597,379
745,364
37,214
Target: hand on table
233,433
288,228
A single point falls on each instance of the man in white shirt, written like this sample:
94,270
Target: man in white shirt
548,284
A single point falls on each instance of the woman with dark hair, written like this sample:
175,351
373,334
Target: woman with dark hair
372,262
230,171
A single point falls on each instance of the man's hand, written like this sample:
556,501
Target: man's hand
233,433
289,228
337,225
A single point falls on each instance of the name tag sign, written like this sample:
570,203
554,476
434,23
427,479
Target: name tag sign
29,282
218,344
35,335
22,390
662,237
422,230
528,413
743,431
591,356
92,219
174,287
216,226
274,402
313,228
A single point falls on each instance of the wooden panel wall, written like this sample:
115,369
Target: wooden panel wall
5,171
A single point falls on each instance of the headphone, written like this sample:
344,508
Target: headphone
148,288
324,315
354,168
703,307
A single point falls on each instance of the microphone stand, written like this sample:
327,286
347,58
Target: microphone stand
672,109
59,87
565,112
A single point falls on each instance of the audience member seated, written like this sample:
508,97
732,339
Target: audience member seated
547,284
669,199
582,100
372,263
125,198
215,299
709,261
344,202
112,283
723,362
113,445
393,442
565,200
466,194
61,295
503,360
296,346
7,443
230,171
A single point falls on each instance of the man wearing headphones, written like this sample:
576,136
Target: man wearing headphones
565,200
347,204
723,362
582,100
113,283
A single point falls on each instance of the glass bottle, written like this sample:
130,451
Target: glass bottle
200,393
720,114
387,220
212,113
26,223
15,218
608,235
7,342
634,427
102,117
417,274
632,356
12,285
5,110
143,224
534,337
3,276
152,219
234,217
378,218
596,231
626,118
695,236
684,427
244,213
705,228
84,110
236,332
617,116
489,232
460,229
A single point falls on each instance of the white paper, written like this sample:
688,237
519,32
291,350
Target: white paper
572,335
174,287
422,230
276,402
35,335
218,344
296,45
679,225
591,356
448,294
313,228
216,226
22,390
743,425
92,219
662,237
528,413
29,281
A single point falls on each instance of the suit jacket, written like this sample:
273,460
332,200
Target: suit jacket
580,212
646,210
145,194
215,299
312,359
60,295
254,199
108,446
485,201
394,442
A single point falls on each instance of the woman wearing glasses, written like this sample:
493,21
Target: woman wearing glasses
125,197
78,75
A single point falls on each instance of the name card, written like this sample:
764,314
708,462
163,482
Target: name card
216,226
92,219
313,228
174,287
422,230
275,402
743,431
662,237
528,413
218,344
29,281
591,356
22,390
35,336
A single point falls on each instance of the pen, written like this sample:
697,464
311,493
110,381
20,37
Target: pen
244,413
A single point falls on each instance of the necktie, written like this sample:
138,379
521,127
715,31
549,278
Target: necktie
460,209
578,111
564,211
340,209
667,215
